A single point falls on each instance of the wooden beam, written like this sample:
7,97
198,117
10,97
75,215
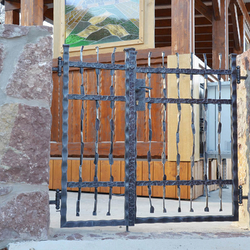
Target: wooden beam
182,32
204,10
216,9
244,11
236,28
12,17
11,5
220,33
31,12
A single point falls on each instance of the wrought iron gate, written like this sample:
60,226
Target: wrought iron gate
135,100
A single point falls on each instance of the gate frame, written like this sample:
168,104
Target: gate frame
130,182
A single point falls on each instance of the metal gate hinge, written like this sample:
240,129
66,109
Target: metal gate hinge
57,200
241,197
238,76
58,69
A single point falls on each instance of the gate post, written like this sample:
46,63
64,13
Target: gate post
130,138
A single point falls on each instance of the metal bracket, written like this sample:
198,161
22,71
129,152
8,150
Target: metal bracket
140,91
57,200
238,76
58,69
241,197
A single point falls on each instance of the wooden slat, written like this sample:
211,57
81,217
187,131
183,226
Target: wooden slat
77,106
139,177
91,107
51,170
171,191
157,191
105,110
57,174
203,9
119,107
145,176
244,11
104,174
116,172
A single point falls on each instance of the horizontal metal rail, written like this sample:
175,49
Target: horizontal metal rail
149,100
72,184
110,66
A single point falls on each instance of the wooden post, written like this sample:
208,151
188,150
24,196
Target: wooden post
12,17
31,12
182,26
220,38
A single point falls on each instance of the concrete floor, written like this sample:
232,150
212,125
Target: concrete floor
202,235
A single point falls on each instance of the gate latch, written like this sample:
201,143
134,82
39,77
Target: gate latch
140,90
241,197
57,200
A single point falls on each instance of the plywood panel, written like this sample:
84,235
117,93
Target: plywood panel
57,174
75,172
184,168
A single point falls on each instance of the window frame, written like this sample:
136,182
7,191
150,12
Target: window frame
145,41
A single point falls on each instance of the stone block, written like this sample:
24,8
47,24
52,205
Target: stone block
26,158
32,76
24,217
11,31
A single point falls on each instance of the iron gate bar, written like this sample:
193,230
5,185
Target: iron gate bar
130,138
234,146
65,116
149,100
72,184
110,66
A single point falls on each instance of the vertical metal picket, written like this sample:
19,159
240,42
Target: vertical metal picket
65,116
130,138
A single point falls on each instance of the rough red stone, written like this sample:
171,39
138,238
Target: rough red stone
2,56
27,158
11,31
25,217
32,77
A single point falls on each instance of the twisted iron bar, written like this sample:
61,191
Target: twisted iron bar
178,136
82,143
112,128
163,157
219,163
149,135
193,132
206,209
97,126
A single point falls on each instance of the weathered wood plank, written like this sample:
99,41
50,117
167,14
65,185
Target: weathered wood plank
216,9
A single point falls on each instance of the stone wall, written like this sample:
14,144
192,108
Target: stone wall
25,122
243,109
